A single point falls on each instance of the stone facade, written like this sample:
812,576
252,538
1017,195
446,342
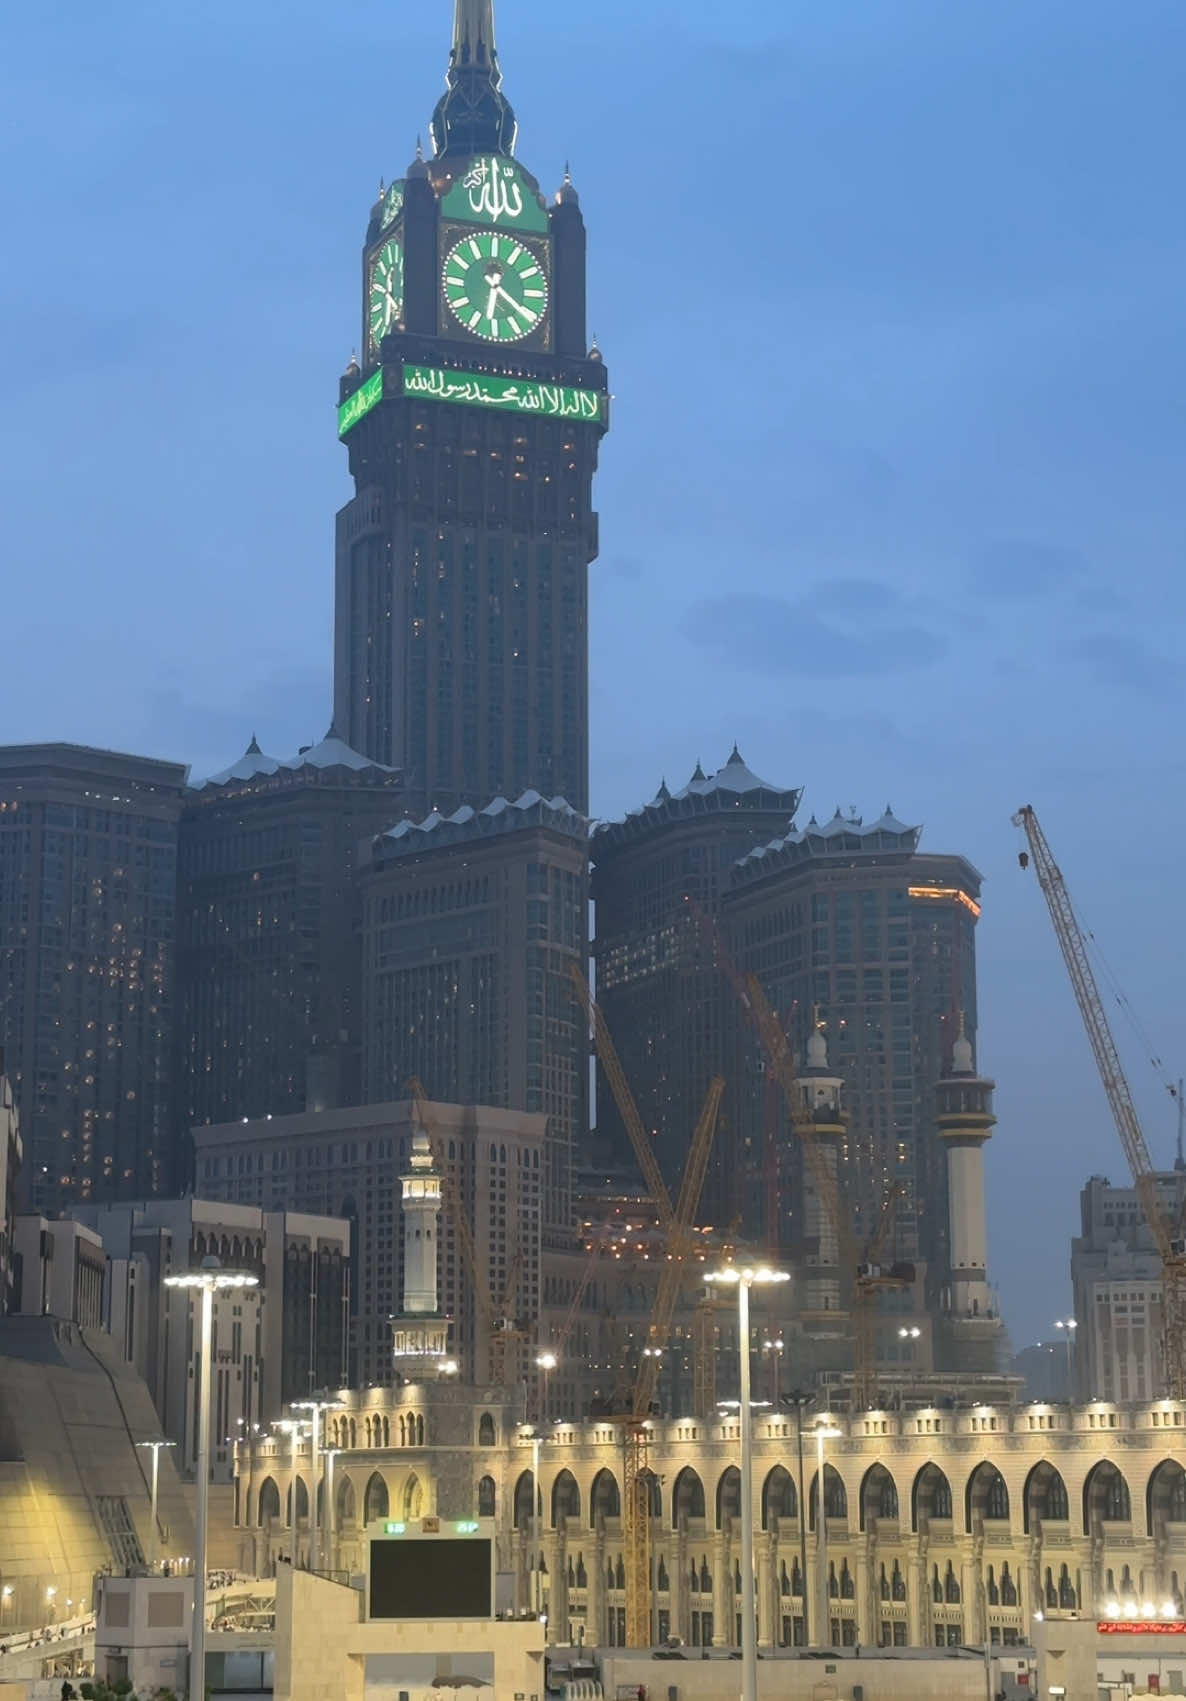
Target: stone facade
942,1524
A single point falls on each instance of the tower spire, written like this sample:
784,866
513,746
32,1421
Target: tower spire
473,116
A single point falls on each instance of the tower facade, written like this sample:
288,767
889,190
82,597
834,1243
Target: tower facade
88,884
964,1117
472,420
419,1335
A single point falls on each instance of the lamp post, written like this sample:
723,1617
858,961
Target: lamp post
315,1408
799,1400
211,1278
744,1277
156,1460
1069,1325
331,1510
547,1363
774,1349
824,1431
533,1435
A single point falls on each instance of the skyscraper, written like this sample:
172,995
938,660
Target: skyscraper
472,422
267,931
88,881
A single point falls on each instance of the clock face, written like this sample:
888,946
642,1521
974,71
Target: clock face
495,286
393,202
385,298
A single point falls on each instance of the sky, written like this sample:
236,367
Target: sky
890,296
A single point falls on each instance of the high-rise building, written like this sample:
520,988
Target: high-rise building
88,882
1117,1351
472,924
267,946
472,423
12,1155
350,1163
668,1006
850,927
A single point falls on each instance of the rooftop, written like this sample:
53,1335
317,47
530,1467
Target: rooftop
842,836
331,754
500,815
733,788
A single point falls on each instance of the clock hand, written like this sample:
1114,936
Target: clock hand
517,305
495,292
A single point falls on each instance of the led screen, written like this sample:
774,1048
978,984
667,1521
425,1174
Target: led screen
431,1579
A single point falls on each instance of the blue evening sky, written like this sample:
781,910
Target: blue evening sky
891,298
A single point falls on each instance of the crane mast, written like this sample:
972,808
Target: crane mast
1072,942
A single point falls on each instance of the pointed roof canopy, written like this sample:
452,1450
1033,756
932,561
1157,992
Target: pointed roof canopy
254,764
732,789
473,116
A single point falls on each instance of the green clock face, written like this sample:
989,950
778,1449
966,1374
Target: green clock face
495,286
385,299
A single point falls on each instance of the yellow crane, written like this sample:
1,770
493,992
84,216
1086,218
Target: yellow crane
1167,1235
633,1403
501,1325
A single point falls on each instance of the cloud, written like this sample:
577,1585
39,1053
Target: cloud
1119,661
778,635
1022,569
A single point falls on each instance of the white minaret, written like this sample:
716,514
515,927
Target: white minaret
420,1334
819,1091
965,1119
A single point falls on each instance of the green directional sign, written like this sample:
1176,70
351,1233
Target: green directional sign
360,403
508,395
495,191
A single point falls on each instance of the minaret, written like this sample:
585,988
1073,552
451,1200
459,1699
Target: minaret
419,1335
820,1097
965,1120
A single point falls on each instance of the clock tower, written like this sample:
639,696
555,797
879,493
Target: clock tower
472,420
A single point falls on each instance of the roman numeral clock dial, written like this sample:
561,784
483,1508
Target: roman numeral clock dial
495,287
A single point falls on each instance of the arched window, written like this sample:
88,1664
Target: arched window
1105,1497
486,1435
833,1584
930,1498
687,1497
996,1501
524,1512
486,1497
420,1429
951,1588
386,1432
1050,1592
619,1574
269,1502
662,1581
1068,1595
413,1498
897,1583
729,1497
1008,1587
986,1497
796,1577
784,1582
346,1509
583,1575
705,1578
936,1588
604,1499
779,1500
835,1496
566,1499
848,1588
883,1587
375,1501
991,1589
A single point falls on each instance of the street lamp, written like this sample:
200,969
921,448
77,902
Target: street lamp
156,1460
1069,1324
208,1280
547,1363
774,1349
745,1277
824,1431
315,1408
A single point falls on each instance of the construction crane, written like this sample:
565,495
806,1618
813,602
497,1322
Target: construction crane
632,1403
1167,1235
501,1326
867,1274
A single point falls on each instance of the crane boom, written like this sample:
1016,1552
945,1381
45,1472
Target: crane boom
1073,944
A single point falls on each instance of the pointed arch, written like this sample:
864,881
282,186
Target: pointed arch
605,1498
413,1504
486,1497
1165,1497
302,1501
879,1497
687,1497
728,1496
346,1510
930,1498
487,1436
566,1498
1106,1499
986,1497
524,1510
376,1500
835,1496
779,1500
269,1502
1044,1498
